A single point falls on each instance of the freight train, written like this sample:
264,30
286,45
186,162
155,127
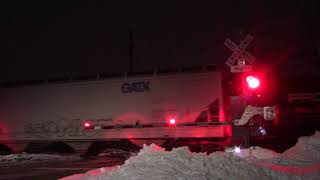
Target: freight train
205,106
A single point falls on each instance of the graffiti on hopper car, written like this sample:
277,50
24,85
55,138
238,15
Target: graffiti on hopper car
59,128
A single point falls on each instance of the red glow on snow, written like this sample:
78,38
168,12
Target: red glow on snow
253,82
301,171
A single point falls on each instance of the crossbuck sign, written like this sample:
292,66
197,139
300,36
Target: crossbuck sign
240,55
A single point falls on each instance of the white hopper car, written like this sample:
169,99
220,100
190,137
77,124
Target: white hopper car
143,109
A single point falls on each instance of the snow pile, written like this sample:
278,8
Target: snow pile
24,158
258,153
307,149
154,163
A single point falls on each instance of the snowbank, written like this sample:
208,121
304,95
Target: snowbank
153,162
27,158
257,153
306,149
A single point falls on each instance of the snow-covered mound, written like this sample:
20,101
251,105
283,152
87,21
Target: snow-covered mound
307,149
258,153
25,158
154,163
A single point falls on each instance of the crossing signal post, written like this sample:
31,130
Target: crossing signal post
243,58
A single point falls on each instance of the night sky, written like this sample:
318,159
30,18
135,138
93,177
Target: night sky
46,39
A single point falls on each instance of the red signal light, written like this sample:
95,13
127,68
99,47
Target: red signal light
87,124
253,82
172,121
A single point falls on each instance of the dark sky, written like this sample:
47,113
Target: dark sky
44,39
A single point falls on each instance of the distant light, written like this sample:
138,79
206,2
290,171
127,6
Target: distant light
253,82
172,121
263,131
237,149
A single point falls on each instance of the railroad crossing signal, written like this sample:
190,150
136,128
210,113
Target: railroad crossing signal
240,55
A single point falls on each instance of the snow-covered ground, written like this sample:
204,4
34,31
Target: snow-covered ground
7,160
299,162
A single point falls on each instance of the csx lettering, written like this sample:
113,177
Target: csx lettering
135,87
